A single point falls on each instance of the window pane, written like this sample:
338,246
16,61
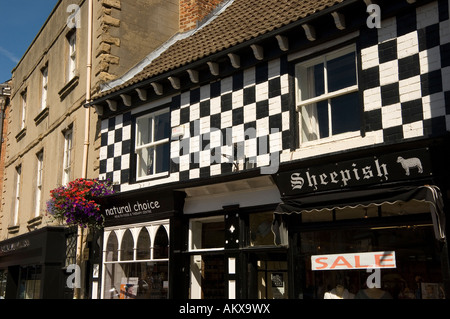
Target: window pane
144,128
143,245
161,246
341,72
145,161
261,229
112,247
315,121
144,280
162,126
127,247
319,80
345,114
162,158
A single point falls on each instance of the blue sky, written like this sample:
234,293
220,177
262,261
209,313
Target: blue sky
20,21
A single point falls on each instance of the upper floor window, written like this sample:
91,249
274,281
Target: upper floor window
44,88
153,144
15,218
327,96
72,58
67,156
40,168
24,109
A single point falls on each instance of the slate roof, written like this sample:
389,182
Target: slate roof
242,21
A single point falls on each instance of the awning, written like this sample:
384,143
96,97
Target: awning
364,198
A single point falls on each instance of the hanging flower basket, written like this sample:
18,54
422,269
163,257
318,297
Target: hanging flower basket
77,203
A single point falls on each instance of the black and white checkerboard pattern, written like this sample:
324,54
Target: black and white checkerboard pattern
234,123
406,74
239,121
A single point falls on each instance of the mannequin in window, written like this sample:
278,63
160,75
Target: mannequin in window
339,292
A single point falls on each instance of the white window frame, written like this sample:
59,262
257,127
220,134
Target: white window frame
23,97
72,57
40,170
17,195
67,161
195,230
135,229
301,71
44,92
139,147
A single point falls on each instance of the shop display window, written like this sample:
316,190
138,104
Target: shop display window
30,282
380,260
136,262
261,233
3,279
207,233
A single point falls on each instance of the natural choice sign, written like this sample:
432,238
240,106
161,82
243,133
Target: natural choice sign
128,208
364,171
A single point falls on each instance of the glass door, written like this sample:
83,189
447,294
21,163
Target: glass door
267,276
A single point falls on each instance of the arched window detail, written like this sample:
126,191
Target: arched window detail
161,245
143,245
127,247
112,247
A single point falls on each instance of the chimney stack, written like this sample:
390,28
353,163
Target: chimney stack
194,11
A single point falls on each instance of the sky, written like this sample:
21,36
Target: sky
20,22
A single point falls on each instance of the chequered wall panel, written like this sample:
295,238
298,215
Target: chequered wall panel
406,74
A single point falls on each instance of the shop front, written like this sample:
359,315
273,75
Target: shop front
136,244
369,228
32,266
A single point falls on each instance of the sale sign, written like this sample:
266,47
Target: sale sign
372,260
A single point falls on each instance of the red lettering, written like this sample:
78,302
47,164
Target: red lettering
383,258
358,263
344,263
324,264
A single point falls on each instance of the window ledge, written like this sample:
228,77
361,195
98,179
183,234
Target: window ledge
34,221
13,229
21,134
68,87
41,116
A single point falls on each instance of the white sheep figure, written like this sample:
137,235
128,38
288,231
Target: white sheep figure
409,163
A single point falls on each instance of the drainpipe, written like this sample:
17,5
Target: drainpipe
87,121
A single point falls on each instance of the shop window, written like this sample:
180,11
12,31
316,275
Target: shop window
127,247
3,280
143,245
140,275
112,247
152,144
327,99
207,233
345,262
30,282
261,229
161,247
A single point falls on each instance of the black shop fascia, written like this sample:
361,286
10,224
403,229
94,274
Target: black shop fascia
369,180
140,206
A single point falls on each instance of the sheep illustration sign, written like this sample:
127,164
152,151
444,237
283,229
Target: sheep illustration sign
392,167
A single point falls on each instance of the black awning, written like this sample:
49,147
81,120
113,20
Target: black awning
363,198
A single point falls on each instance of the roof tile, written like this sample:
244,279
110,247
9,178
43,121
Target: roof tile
242,21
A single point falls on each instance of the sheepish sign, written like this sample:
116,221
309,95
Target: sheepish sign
364,171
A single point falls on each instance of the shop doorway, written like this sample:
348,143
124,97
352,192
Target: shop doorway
267,276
